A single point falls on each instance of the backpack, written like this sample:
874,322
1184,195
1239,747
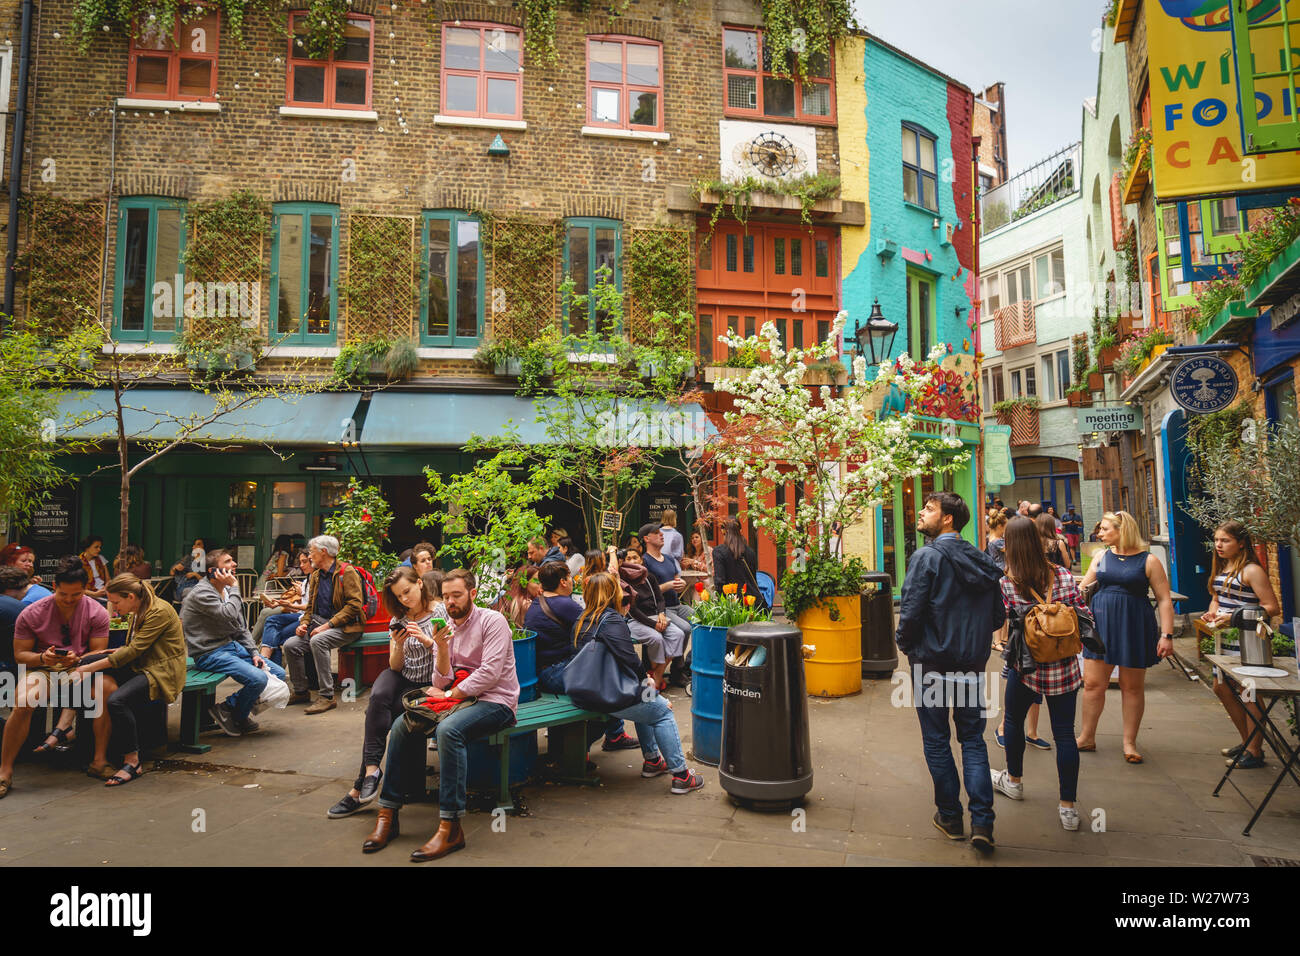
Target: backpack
1051,631
369,596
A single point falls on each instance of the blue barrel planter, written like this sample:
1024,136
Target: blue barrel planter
482,769
525,644
709,646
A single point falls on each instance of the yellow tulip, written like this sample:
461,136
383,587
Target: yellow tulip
704,596
729,589
749,600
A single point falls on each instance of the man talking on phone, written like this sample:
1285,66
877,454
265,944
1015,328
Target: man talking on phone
216,636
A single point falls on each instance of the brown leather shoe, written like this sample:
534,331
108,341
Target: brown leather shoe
449,838
386,829
321,705
299,697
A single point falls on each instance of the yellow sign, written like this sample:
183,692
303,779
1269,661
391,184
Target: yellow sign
1195,129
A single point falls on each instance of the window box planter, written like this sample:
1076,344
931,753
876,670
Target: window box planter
718,373
1096,382
651,369
824,375
1080,399
1106,358
230,362
510,368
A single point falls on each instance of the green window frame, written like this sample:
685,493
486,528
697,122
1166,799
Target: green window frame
584,240
308,285
142,311
1169,245
1254,45
922,326
445,286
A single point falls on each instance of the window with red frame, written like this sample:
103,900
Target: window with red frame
1159,317
753,91
481,67
179,66
340,80
625,84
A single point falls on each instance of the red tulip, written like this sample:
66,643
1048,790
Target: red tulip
699,587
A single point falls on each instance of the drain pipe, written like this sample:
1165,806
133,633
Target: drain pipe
16,158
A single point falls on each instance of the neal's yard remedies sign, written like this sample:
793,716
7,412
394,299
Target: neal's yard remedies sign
1203,384
1110,418
1196,134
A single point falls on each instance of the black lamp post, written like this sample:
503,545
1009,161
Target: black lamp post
876,338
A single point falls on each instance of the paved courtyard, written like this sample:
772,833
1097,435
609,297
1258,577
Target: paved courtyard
262,801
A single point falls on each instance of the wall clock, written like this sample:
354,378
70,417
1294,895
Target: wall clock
771,154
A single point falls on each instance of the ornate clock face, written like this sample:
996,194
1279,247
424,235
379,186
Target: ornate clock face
771,154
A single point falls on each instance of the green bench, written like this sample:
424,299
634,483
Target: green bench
199,694
357,649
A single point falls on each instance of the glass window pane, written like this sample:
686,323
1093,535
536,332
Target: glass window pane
731,252
704,257
927,154
501,51
823,258
333,493
289,494
462,49
579,265
819,64
1031,381
167,265
135,263
1063,369
350,87
1042,276
292,524
242,494
778,256
750,322
909,146
606,258
196,78
642,64
1058,269
151,39
705,326
816,99
643,108
356,42
740,49
778,97
1049,379
1017,390
151,74
1223,216
910,192
742,92
439,275
502,97
931,199
309,84
604,106
604,62
467,291
289,306
796,257
462,94
748,246
321,275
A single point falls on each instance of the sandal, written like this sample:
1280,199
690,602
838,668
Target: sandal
1133,758
5,786
62,745
131,770
102,772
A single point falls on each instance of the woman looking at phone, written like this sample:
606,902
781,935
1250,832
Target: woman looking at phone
418,618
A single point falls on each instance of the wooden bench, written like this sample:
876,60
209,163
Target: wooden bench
567,724
357,649
200,693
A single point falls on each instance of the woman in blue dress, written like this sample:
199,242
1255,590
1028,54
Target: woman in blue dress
1126,624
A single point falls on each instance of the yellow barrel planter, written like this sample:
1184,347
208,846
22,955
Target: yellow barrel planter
836,669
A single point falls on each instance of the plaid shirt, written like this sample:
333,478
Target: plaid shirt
1063,676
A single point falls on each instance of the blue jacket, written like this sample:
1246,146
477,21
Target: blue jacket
950,606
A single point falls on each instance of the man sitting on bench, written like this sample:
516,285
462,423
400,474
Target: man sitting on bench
216,636
478,641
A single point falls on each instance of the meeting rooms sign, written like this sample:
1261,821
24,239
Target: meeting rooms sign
1110,418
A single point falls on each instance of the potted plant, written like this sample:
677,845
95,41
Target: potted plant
1079,396
1022,415
1137,351
1096,381
776,419
219,347
361,358
402,359
711,617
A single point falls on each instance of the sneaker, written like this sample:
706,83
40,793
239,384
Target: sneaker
654,768
1038,742
248,726
225,718
1002,783
370,788
981,838
686,783
951,827
1001,738
344,808
1232,751
1069,818
621,742
1247,761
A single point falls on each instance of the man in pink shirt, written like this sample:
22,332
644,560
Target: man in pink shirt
480,642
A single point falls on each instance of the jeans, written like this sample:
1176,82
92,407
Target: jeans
384,707
974,753
277,629
656,728
132,693
320,645
478,720
550,680
235,660
1061,709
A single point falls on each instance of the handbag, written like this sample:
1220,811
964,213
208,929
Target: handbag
1051,630
425,720
274,695
1088,635
595,680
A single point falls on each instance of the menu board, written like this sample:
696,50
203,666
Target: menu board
52,531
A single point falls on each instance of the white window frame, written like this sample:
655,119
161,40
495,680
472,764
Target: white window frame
993,378
999,278
1050,363
1018,380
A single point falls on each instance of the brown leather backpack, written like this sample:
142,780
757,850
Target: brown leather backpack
1051,631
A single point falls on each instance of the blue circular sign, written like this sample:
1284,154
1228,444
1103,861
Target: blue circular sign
1203,384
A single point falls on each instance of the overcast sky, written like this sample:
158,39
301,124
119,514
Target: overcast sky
1047,60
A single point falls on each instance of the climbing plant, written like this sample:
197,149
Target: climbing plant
737,195
658,274
226,237
381,287
61,261
805,28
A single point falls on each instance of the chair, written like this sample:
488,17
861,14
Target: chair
766,587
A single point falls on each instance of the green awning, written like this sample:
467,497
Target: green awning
161,414
449,420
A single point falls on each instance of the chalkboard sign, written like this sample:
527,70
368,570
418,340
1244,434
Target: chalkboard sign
611,520
52,532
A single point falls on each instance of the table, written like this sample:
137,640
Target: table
690,577
1272,690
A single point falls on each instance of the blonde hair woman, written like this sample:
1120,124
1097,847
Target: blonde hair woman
1126,625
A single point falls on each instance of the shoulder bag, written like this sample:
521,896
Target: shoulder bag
595,680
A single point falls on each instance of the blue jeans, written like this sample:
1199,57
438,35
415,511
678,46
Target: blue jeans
550,680
656,728
478,720
235,660
974,753
278,629
1061,709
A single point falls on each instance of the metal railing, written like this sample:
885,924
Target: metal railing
1046,182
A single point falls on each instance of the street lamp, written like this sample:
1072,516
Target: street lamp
876,338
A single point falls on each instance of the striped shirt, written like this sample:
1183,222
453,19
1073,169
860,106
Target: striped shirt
1060,677
419,660
1233,592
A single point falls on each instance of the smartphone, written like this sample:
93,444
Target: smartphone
396,627
61,651
438,623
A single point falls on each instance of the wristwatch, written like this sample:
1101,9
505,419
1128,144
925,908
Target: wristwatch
1166,637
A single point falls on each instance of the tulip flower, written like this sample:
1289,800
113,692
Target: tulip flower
699,587
749,600
729,589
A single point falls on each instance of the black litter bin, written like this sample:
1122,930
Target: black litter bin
766,758
879,652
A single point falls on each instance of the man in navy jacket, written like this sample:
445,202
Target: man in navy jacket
951,604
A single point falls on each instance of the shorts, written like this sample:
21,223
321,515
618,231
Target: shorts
41,687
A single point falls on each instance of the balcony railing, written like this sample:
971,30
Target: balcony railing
1023,420
1039,186
1014,325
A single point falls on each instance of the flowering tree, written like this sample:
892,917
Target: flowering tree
361,526
844,456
